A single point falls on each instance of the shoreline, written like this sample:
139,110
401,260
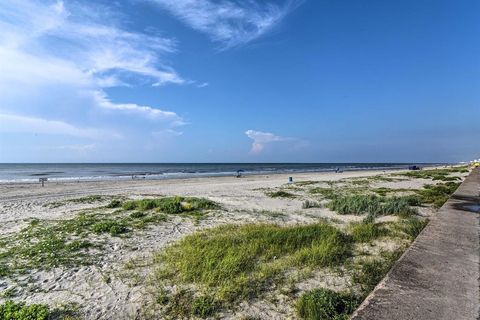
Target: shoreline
21,190
155,176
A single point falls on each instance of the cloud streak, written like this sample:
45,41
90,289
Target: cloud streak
21,124
231,23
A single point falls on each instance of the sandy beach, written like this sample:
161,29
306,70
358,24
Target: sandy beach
114,285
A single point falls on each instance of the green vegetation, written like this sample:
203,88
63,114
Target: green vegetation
113,227
437,194
408,228
372,205
44,245
437,174
281,194
325,304
311,204
11,310
171,205
65,243
366,232
370,271
20,311
327,193
241,262
204,306
305,183
85,200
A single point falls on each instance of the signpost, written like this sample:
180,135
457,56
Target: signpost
42,180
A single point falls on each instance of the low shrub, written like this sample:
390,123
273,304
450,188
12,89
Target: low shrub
21,311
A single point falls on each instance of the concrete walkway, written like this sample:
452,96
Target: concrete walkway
438,276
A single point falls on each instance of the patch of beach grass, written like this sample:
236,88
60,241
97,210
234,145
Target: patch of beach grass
437,194
324,304
370,271
239,263
436,174
366,232
306,182
44,245
326,193
372,205
408,228
83,200
281,194
172,205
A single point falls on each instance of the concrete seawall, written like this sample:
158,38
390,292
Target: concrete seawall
438,276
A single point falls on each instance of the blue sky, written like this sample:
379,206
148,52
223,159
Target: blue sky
239,81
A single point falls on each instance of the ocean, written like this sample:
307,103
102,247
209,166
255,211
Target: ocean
122,171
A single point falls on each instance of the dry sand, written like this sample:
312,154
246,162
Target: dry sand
103,291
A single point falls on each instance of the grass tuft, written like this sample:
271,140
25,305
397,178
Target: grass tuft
281,194
366,232
324,304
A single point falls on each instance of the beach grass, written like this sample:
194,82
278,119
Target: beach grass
82,200
372,205
324,303
443,174
281,194
368,272
437,194
238,263
171,205
366,232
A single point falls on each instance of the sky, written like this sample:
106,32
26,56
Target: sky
239,81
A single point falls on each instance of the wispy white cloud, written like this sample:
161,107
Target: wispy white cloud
21,124
62,57
100,49
152,113
262,139
230,22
